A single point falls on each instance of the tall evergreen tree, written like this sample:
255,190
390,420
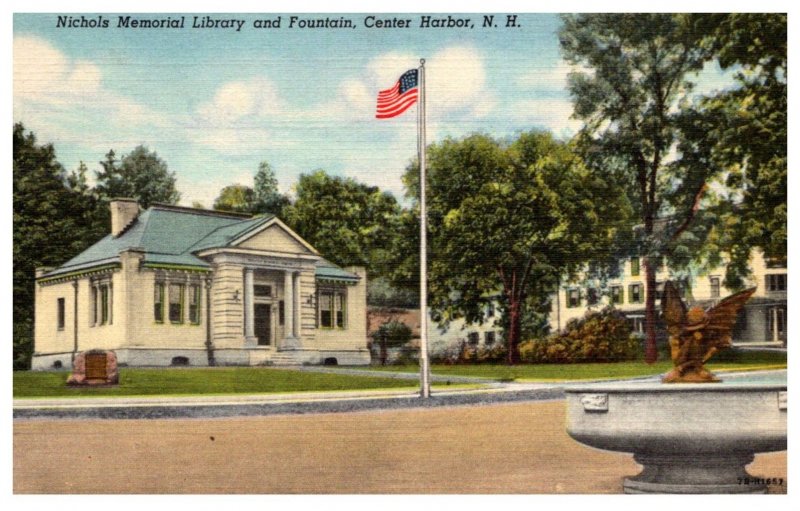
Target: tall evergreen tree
52,223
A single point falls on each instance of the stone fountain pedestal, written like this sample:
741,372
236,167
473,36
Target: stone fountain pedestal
690,438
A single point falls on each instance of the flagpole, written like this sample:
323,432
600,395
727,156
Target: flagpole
424,367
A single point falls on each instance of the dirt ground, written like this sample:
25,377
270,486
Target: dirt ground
504,448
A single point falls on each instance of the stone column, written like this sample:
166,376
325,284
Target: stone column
249,309
288,310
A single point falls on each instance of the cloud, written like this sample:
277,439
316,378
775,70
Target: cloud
65,99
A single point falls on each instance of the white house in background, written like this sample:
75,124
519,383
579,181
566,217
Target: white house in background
174,285
762,323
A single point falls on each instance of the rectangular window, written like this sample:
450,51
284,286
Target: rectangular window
488,338
94,306
616,294
635,266
176,303
714,282
473,338
158,302
490,310
194,304
281,312
104,310
776,282
591,296
326,310
332,306
341,310
61,314
635,294
573,298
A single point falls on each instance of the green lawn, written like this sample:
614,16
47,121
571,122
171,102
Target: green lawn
223,380
744,360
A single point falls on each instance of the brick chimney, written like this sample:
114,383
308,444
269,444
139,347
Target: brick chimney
123,212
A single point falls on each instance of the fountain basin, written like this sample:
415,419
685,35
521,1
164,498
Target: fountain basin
690,438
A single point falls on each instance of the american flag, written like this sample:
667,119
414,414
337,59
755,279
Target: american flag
393,102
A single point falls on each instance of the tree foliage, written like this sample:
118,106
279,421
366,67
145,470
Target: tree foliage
139,175
634,99
262,198
52,222
349,222
749,133
507,219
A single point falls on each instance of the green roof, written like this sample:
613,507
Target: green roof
171,235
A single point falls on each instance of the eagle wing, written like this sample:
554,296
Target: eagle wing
722,317
673,309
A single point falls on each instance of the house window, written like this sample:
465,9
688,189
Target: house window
714,282
635,266
94,306
158,303
61,313
332,306
194,304
776,282
573,298
490,310
341,309
281,312
616,294
591,296
101,303
473,338
176,303
635,294
488,338
776,323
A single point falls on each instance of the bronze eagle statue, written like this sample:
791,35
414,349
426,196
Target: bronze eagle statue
695,335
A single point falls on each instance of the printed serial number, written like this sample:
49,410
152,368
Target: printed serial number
764,481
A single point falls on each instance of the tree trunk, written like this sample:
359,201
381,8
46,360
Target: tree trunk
384,351
514,320
650,350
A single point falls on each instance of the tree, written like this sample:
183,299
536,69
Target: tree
267,198
349,222
262,198
507,220
52,222
634,105
238,198
749,134
140,175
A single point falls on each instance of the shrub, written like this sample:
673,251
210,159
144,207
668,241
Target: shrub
464,353
603,336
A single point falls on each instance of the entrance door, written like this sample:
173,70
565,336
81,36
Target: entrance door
262,320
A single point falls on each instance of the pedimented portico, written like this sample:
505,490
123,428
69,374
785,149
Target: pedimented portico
205,287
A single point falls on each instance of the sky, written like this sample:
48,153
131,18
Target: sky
214,102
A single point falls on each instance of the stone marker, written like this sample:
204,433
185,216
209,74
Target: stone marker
94,367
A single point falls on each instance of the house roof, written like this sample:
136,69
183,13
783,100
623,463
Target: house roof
171,235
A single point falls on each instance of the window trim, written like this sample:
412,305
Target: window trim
181,302
334,316
621,299
569,298
61,313
640,288
195,291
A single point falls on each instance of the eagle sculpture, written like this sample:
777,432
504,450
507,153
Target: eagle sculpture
695,335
